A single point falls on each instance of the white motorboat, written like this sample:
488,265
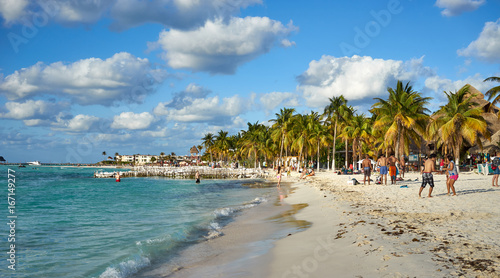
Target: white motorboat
35,163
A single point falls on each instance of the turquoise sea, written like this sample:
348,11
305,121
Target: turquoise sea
69,224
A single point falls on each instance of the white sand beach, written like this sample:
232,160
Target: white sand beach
387,231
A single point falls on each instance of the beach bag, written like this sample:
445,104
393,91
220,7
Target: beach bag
494,163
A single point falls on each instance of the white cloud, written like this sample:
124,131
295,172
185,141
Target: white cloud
177,14
121,78
182,14
355,77
130,120
186,97
275,99
207,110
457,7
487,46
79,123
12,10
31,109
220,46
439,84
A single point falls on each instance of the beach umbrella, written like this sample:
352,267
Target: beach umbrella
2,159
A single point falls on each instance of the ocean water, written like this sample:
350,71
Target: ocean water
71,225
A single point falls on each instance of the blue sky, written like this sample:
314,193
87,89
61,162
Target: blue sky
81,77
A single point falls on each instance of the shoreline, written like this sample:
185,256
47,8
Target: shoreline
387,231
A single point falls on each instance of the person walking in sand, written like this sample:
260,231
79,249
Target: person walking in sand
382,163
392,168
278,176
367,169
427,177
452,174
495,166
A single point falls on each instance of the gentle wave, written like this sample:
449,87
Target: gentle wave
125,269
213,230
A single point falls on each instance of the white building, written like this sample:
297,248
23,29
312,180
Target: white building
139,159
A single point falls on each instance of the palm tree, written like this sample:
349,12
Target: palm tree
405,114
347,114
319,134
222,144
493,93
281,125
104,154
253,142
208,142
333,113
116,157
358,130
458,121
301,135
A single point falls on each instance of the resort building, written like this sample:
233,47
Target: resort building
137,159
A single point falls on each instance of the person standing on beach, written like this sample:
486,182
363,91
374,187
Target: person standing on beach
392,168
382,163
402,164
495,163
427,178
278,176
452,173
367,169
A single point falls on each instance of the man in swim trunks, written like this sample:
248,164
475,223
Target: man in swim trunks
382,162
367,168
392,168
427,178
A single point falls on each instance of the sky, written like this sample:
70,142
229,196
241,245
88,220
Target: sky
142,77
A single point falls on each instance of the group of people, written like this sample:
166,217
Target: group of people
389,165
386,165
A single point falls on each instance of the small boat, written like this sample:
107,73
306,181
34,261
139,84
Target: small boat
21,166
34,163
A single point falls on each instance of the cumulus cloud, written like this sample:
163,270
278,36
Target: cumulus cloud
177,14
206,110
275,99
457,7
121,78
220,46
187,96
79,123
130,120
355,77
181,14
487,46
12,10
34,112
439,84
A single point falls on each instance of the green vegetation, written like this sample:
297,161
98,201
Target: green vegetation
396,123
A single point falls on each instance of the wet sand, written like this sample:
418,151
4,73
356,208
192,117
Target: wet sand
239,251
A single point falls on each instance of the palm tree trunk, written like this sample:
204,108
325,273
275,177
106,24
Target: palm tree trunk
317,161
346,153
334,145
255,163
281,152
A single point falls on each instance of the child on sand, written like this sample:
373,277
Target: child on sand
452,174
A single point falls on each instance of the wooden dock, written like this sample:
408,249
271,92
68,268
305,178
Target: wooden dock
188,172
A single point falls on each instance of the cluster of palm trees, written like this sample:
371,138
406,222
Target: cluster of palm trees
397,123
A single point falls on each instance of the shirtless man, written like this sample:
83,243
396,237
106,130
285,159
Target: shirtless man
382,162
367,168
402,164
427,177
392,168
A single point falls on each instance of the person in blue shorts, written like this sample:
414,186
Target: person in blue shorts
384,170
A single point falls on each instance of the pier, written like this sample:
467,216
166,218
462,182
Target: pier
188,172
